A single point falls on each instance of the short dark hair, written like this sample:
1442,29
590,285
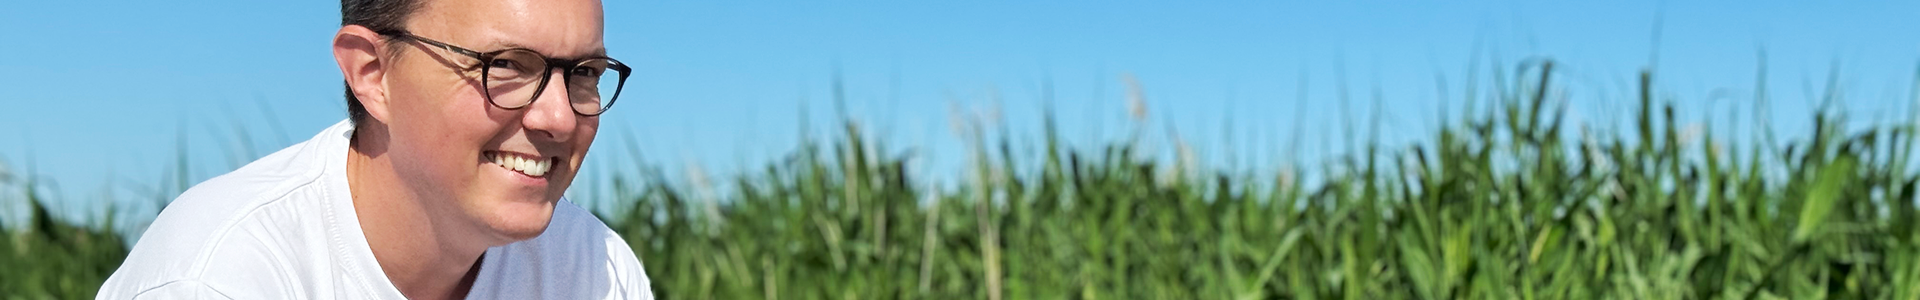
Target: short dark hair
380,16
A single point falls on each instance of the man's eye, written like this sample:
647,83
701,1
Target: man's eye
500,64
586,72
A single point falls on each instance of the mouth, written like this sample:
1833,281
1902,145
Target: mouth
525,164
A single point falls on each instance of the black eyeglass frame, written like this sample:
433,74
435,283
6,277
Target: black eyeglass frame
486,62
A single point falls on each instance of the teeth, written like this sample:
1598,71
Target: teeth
531,167
540,167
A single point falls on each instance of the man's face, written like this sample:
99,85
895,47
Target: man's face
447,141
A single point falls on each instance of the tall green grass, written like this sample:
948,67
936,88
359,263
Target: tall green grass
52,258
1511,202
1504,204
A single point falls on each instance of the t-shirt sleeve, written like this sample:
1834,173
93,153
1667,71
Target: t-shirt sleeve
184,289
631,277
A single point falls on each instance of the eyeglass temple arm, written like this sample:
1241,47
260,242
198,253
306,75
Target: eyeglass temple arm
449,47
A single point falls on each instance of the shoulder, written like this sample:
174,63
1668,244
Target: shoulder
184,289
239,230
623,265
577,256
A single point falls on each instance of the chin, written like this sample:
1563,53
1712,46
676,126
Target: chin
518,221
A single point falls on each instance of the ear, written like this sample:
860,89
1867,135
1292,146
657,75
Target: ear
358,51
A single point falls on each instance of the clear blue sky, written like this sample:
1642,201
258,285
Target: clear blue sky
99,92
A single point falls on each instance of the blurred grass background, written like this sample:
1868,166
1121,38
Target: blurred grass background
1505,200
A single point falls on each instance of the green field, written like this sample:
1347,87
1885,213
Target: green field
1505,201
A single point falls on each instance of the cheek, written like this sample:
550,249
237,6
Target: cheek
583,139
435,132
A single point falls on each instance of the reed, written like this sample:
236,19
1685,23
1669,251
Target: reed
1502,204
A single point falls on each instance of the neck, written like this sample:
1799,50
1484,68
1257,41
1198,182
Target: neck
420,255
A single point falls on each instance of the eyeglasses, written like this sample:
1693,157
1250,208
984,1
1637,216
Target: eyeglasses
514,77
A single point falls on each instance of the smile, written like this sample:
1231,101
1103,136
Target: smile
532,166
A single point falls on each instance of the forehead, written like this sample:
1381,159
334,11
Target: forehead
561,28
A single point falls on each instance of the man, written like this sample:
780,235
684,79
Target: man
468,120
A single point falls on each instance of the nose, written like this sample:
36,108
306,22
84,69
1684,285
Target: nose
552,114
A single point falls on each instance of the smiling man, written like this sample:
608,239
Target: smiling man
467,122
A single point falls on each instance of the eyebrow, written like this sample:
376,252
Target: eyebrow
505,44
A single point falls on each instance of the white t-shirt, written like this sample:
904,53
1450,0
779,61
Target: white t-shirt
283,227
